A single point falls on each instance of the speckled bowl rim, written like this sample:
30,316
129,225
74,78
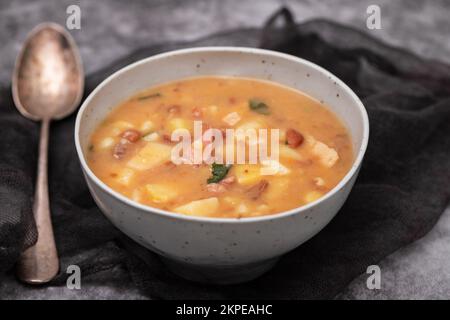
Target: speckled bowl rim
173,215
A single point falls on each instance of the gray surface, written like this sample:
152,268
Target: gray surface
111,29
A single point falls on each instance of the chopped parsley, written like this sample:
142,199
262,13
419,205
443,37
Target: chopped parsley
258,106
150,96
219,171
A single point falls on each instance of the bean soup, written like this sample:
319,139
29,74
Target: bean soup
132,149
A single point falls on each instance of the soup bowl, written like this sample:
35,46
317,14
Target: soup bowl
221,250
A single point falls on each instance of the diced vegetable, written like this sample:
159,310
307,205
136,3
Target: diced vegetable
150,156
106,143
179,123
258,106
125,176
151,137
232,118
327,156
273,167
242,208
289,153
231,201
204,207
147,127
277,188
318,181
219,171
159,193
247,174
312,196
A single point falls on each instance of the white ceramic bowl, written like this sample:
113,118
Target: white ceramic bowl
210,249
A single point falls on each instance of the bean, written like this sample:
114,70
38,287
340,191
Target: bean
294,138
131,135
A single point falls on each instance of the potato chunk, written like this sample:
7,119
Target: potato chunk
273,167
276,189
151,137
319,182
242,208
289,153
150,156
203,207
106,143
125,176
312,196
159,193
147,127
179,123
327,156
247,174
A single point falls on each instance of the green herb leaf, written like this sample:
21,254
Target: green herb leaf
258,106
150,96
219,171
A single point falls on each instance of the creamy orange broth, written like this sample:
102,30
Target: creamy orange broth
312,166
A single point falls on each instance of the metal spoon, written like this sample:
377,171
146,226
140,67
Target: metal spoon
47,84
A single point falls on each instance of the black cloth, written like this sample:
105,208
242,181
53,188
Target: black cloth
402,189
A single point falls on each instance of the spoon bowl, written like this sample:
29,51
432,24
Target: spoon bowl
48,78
47,84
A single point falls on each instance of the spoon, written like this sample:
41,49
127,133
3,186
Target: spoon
47,84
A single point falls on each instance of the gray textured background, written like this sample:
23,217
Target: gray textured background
111,29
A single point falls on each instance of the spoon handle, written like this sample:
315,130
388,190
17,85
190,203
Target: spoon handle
39,263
